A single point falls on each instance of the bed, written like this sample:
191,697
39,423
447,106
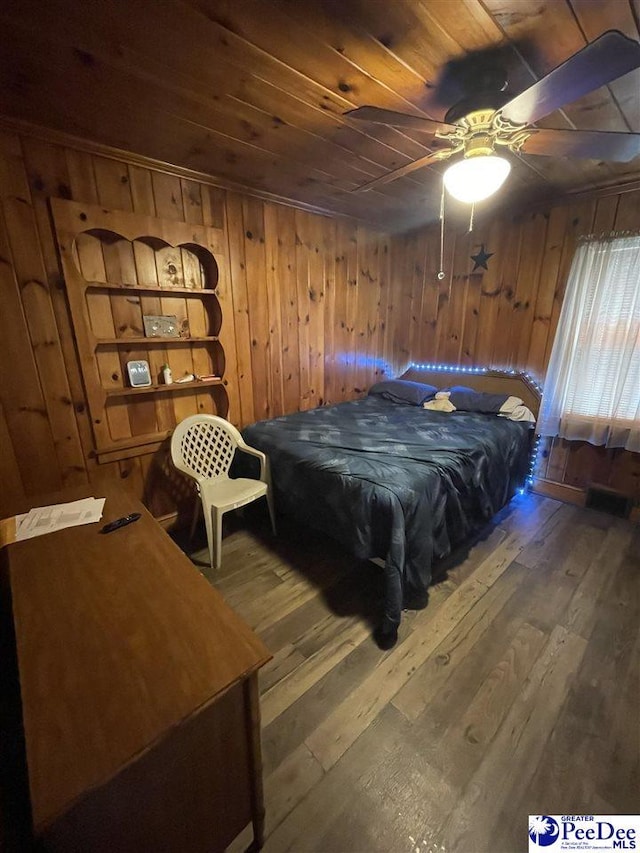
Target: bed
395,481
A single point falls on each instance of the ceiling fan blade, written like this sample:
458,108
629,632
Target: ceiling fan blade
591,144
394,119
406,170
610,56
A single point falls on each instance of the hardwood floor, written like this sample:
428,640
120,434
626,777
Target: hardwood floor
514,693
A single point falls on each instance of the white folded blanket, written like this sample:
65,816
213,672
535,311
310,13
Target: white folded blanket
439,405
510,404
520,413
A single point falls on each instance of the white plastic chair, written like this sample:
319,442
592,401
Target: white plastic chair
203,447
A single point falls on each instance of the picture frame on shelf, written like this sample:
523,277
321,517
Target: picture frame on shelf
165,326
139,373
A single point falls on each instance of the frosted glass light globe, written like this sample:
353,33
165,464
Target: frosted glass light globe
476,178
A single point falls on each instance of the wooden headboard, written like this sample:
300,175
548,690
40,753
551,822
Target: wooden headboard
491,381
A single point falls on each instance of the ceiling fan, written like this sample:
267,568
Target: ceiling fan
485,120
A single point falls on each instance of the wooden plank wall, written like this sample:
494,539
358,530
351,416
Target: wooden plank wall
322,308
310,299
506,316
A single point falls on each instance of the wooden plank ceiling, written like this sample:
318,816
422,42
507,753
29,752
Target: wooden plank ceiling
253,91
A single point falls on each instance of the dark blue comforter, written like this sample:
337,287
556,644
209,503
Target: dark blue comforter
393,481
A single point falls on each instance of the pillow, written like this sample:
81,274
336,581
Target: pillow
468,400
404,391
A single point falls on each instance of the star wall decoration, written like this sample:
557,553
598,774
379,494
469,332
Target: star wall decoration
481,259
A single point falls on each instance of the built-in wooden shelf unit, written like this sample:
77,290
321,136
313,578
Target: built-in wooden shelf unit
154,341
119,267
165,389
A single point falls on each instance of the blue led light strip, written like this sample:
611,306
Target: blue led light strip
456,368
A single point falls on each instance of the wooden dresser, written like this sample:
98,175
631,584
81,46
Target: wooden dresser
138,689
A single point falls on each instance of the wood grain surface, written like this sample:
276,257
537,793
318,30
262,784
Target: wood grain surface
255,94
514,692
311,327
119,639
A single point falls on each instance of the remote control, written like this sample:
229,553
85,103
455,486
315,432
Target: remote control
120,522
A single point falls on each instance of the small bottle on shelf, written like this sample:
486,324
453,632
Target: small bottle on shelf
167,377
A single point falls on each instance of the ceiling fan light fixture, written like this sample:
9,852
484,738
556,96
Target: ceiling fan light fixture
476,178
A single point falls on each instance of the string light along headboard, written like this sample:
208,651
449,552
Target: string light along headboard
513,382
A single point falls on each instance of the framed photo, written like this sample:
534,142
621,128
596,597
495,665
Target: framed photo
164,326
139,374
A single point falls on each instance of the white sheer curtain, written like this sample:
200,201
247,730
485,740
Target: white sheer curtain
592,388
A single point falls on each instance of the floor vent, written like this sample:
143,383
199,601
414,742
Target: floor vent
611,502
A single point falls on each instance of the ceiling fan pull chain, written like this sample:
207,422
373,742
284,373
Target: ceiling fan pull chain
441,270
473,207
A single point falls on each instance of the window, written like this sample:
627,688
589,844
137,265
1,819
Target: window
592,390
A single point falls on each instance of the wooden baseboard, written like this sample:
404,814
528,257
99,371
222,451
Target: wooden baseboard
560,491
